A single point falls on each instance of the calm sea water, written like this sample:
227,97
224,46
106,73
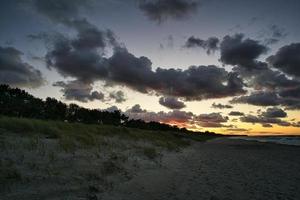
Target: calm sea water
289,140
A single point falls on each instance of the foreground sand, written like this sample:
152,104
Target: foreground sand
119,169
219,169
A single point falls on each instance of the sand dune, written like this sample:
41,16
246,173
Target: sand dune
221,168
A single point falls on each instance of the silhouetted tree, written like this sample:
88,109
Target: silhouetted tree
18,103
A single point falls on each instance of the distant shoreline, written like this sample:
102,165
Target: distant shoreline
274,139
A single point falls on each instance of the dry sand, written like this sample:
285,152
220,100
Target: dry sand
219,169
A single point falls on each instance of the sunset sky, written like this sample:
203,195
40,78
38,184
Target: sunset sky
231,66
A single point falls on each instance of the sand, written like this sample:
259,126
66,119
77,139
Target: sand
219,169
222,168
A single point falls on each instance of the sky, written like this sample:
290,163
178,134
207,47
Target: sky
231,67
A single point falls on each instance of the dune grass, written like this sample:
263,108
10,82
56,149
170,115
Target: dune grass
85,134
96,156
89,135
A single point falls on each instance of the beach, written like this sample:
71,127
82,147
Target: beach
219,169
123,169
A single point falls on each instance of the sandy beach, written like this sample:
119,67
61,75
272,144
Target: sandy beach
219,169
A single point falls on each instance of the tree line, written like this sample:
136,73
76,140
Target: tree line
15,102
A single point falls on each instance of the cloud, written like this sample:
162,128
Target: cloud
263,98
235,50
118,96
210,45
15,72
80,57
259,99
271,80
291,92
83,57
171,102
161,10
174,117
124,68
221,106
287,59
267,125
264,120
180,118
275,33
274,113
198,82
296,124
212,120
278,32
112,109
62,11
136,109
79,91
238,129
236,113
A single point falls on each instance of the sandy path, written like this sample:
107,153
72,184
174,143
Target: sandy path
219,169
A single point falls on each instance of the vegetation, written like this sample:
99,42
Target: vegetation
83,134
92,149
15,102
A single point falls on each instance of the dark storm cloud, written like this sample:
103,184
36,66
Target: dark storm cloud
126,69
161,10
274,113
212,120
259,99
271,87
118,96
83,64
270,99
15,72
80,58
210,45
271,80
83,57
235,50
264,120
194,83
291,92
79,91
221,106
290,103
287,59
236,113
171,103
197,83
262,78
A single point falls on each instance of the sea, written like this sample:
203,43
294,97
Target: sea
287,140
